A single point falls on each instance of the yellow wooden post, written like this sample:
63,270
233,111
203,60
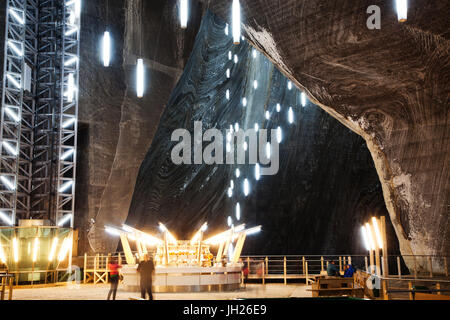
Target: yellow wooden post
303,265
367,264
438,287
248,263
382,224
377,262
108,258
430,263
263,274
2,289
371,262
267,265
11,285
321,264
385,290
340,264
85,268
349,260
285,271
399,268
410,287
445,266
307,273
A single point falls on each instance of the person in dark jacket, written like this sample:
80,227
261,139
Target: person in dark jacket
113,268
146,270
332,270
349,271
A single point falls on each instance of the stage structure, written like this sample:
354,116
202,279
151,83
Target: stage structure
185,265
39,111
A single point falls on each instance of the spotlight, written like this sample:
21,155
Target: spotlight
236,16
140,78
184,13
106,49
402,10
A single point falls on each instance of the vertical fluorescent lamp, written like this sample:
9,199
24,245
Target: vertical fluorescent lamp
71,87
246,187
184,9
402,10
106,49
289,85
35,249
257,172
291,115
53,249
236,21
230,192
370,237
238,173
238,211
256,127
2,254
278,107
268,150
377,232
365,238
16,249
229,221
140,78
303,98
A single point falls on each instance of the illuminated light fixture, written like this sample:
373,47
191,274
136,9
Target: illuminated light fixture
255,84
71,31
184,13
16,249
77,6
257,172
65,219
19,19
170,236
229,136
13,46
289,85
370,237
71,61
10,148
267,115
246,187
230,55
2,254
228,94
69,122
245,146
70,88
112,231
377,232
65,186
64,249
72,17
402,10
238,211
13,80
51,256
242,38
238,173
67,154
254,53
140,78
231,128
253,230
229,221
236,127
236,17
291,115
278,107
232,184
6,219
256,127
106,49
8,183
236,58
303,99
197,235
226,29
35,249
365,238
228,73
12,114
127,228
230,192
244,102
279,134
268,150
228,147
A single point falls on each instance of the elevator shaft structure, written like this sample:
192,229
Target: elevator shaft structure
39,111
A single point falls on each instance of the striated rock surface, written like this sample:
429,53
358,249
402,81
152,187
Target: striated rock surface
391,86
326,186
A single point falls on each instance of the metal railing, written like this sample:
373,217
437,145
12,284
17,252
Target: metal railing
6,282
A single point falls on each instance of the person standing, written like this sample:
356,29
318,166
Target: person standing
146,270
113,268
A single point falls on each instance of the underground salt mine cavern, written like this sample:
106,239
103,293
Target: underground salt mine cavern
224,150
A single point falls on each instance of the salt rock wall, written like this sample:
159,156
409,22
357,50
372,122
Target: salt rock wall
116,128
327,184
391,86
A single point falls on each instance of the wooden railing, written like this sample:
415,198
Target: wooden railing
7,282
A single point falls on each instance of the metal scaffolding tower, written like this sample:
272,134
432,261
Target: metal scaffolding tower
39,112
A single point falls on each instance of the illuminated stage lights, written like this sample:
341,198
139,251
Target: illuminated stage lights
303,99
71,61
257,172
268,150
227,94
229,221
244,102
236,21
278,107
236,58
228,73
230,55
255,84
289,85
76,6
246,187
70,93
184,13
226,29
402,10
230,192
291,115
267,115
236,127
279,134
238,173
238,212
256,127
370,237
232,185
254,53
377,233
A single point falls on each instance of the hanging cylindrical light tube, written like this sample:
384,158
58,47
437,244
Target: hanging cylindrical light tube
238,211
184,13
257,172
106,49
402,10
2,254
140,78
303,99
236,16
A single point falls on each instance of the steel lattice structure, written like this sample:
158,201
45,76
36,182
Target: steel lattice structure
39,112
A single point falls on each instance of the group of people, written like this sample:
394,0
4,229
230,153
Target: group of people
333,270
145,269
